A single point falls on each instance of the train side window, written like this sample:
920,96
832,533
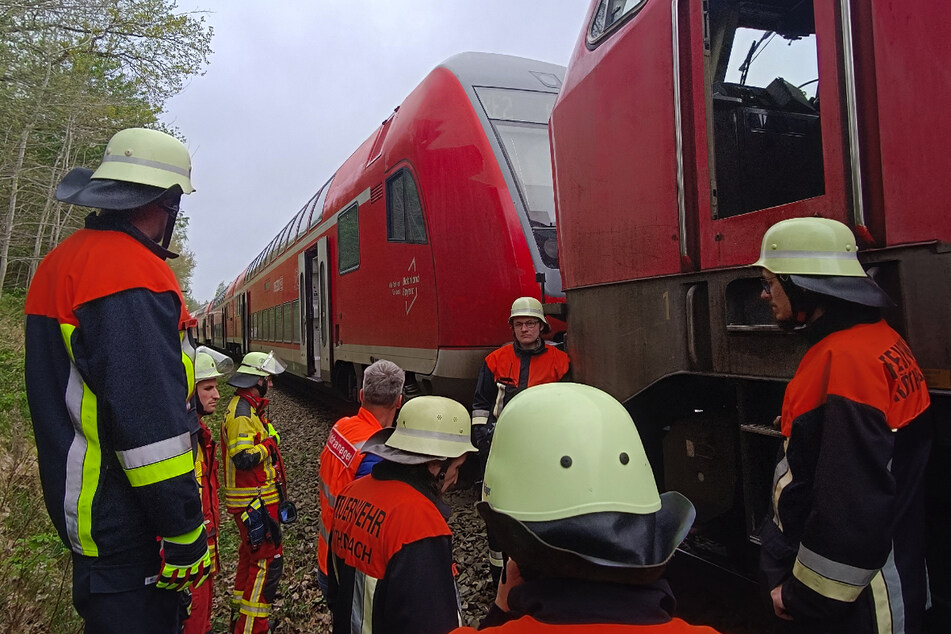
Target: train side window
295,316
348,240
288,323
404,213
609,14
764,109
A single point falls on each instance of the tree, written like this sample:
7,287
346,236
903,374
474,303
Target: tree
73,72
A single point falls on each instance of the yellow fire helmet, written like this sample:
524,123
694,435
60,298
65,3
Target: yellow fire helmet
254,365
569,489
427,428
820,255
139,166
211,364
529,307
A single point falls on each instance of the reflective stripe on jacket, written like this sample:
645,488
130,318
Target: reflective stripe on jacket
109,368
243,430
848,510
339,462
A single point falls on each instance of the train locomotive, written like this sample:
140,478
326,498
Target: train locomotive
414,249
676,142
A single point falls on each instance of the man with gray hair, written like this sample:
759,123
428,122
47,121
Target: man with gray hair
342,461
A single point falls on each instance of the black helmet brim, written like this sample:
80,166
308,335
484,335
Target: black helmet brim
607,546
240,379
78,188
859,290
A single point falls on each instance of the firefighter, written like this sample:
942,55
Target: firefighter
571,495
525,362
391,568
844,548
342,460
209,367
109,369
253,490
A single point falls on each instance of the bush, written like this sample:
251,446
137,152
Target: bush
34,564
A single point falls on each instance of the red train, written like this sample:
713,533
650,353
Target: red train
675,144
415,248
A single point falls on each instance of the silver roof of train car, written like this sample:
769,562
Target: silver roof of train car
494,69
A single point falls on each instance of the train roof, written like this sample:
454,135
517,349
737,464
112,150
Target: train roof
495,69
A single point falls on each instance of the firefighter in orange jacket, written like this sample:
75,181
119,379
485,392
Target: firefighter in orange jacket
391,568
525,362
209,367
109,370
571,495
844,549
249,447
342,461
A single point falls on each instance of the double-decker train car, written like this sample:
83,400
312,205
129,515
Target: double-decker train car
415,248
683,131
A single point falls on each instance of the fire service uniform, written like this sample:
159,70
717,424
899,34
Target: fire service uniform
846,540
206,472
250,456
392,567
341,462
114,445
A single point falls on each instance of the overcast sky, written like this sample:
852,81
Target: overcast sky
295,86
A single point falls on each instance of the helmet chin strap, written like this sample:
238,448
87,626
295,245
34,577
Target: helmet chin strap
169,227
802,303
262,387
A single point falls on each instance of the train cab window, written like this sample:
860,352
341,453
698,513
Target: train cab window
520,120
610,13
319,203
767,144
404,214
348,240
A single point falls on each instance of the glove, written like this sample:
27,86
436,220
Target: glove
187,562
271,444
273,432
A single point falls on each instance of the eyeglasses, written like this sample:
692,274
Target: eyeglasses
532,323
767,283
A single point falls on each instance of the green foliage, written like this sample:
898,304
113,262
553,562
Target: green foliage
33,561
72,73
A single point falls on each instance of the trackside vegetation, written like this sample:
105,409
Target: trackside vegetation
36,595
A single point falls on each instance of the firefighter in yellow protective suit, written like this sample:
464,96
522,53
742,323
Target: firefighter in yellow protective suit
253,489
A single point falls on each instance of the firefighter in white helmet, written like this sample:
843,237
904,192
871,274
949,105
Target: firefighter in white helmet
109,370
210,365
525,362
571,495
844,548
391,563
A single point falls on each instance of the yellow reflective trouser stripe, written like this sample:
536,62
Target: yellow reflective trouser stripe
830,588
84,458
162,470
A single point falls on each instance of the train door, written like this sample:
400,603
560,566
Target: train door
752,76
224,327
315,349
245,335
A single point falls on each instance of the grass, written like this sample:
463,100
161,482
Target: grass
34,565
